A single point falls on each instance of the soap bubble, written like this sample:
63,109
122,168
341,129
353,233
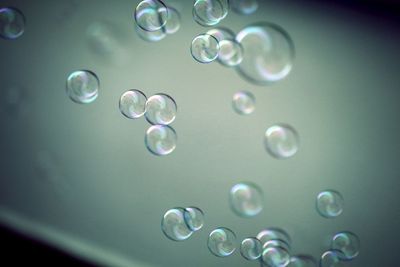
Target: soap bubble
173,225
221,33
302,261
244,102
132,104
12,23
230,53
194,218
160,109
273,233
281,141
276,243
276,257
330,259
151,15
204,48
221,242
268,53
160,140
330,203
251,248
173,21
210,12
347,243
244,7
246,199
82,86
153,36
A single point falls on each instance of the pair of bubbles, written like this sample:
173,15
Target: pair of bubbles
160,109
12,23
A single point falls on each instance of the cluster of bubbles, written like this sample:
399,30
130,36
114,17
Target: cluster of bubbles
179,224
345,246
12,23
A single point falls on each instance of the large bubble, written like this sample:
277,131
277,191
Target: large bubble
281,141
161,140
82,86
222,242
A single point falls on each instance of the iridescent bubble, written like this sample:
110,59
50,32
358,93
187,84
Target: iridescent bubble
251,248
273,233
173,21
302,261
276,243
246,199
230,53
210,12
153,36
82,86
244,7
204,48
151,15
330,203
12,23
276,257
221,33
160,109
160,140
347,243
221,242
132,104
244,102
268,53
330,259
281,141
194,218
173,225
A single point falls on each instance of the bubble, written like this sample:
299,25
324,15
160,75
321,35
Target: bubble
173,21
204,48
251,248
246,199
210,12
221,242
194,218
173,225
160,140
82,86
276,243
330,204
276,257
151,15
221,33
268,53
230,53
347,243
160,109
273,233
302,261
12,23
281,141
330,259
132,104
153,36
244,102
244,7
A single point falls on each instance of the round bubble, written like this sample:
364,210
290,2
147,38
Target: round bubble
347,243
173,225
251,248
161,140
273,233
244,7
244,102
221,242
281,141
302,261
194,218
276,257
82,86
160,109
132,104
230,53
204,48
268,53
173,21
330,203
330,259
210,12
151,15
153,36
246,199
221,33
12,23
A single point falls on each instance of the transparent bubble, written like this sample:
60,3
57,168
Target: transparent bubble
173,21
160,109
276,243
173,225
281,141
12,23
221,33
83,86
204,48
244,7
160,140
151,15
246,199
330,259
268,53
244,102
194,218
230,53
302,261
347,243
221,242
251,248
330,204
153,36
273,233
210,12
276,257
132,104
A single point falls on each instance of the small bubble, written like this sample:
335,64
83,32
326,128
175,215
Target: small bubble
244,7
251,248
132,104
194,218
161,140
204,48
330,204
273,233
221,33
330,259
230,53
173,22
221,242
12,23
160,109
302,261
281,141
151,15
276,257
173,225
246,199
347,243
244,102
210,12
82,86
154,36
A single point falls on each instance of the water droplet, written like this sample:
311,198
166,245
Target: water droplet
221,33
276,257
83,86
347,243
194,218
173,22
204,48
244,7
221,242
151,15
173,225
161,109
246,199
251,248
230,53
161,140
302,261
12,23
281,141
330,203
273,233
244,102
153,36
330,259
210,12
132,104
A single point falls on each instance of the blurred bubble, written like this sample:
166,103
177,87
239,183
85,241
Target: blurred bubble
194,218
160,140
151,15
273,233
330,204
82,86
330,259
276,257
268,53
281,141
132,104
173,21
347,243
153,36
276,243
246,199
251,248
173,225
204,48
210,12
302,261
244,102
12,23
244,7
160,109
221,33
13,100
221,242
230,53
